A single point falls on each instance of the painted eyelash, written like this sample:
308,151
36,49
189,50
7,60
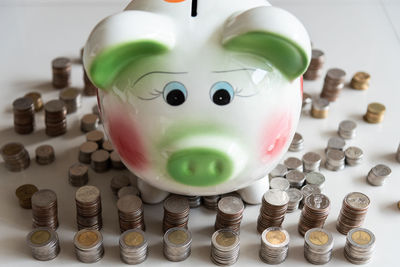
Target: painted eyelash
239,90
155,93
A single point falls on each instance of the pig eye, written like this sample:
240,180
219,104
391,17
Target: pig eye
175,93
222,93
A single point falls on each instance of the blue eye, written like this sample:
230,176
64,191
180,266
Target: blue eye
175,93
222,93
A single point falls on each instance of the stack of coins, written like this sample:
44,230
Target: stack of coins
398,154
130,213
378,174
315,211
177,242
360,81
335,143
15,156
133,246
88,245
24,115
128,190
37,100
89,122
347,129
24,194
116,162
307,190
279,183
211,202
55,118
194,201
95,136
353,155
119,181
90,89
315,178
296,179
44,154
78,174
293,163
314,70
297,143
320,108
176,212
61,72
230,213
72,99
295,197
273,209
333,84
44,243
86,150
375,113
44,209
307,100
279,171
360,244
353,212
274,245
107,146
100,161
225,247
335,160
311,162
318,246
88,208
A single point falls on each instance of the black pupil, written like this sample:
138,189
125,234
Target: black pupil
221,97
175,97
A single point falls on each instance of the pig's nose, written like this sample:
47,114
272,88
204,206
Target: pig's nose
199,166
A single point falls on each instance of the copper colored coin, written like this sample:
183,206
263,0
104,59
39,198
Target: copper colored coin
95,136
44,154
61,63
108,146
26,191
23,103
55,106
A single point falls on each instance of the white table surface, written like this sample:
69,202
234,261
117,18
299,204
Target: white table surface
355,35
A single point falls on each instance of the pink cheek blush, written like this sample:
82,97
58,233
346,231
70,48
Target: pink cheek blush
301,86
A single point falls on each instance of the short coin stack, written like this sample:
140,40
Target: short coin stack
295,197
89,122
116,161
293,163
315,178
55,118
88,245
311,162
225,247
177,243
318,246
279,183
274,245
15,156
211,202
88,208
176,212
24,194
86,150
37,100
315,211
72,99
24,115
360,244
335,143
78,174
133,246
100,161
320,108
360,81
273,209
44,244
44,154
90,89
333,84
353,212
230,213
95,136
314,70
194,201
130,213
335,160
128,190
347,129
297,143
61,72
378,174
296,179
375,113
279,171
354,155
44,209
119,181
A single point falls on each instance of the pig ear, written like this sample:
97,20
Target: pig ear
122,39
273,34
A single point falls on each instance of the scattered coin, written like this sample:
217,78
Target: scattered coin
274,245
375,113
15,156
130,213
293,163
44,209
314,70
95,136
347,129
78,174
354,155
55,118
279,183
353,212
88,244
320,108
360,244
107,146
176,212
86,150
335,160
311,162
100,160
318,246
360,81
128,190
119,181
315,211
24,194
177,244
37,100
211,202
297,143
229,213
378,174
88,208
24,115
225,247
315,178
279,171
44,154
295,197
72,99
44,243
133,246
89,122
273,209
116,161
333,84
61,72
296,178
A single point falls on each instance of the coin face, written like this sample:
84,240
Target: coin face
320,103
275,237
353,152
100,156
23,103
87,193
357,200
78,169
178,237
317,201
89,147
69,94
315,178
276,197
318,238
347,125
279,183
87,238
310,189
61,62
361,77
43,198
11,149
336,143
55,106
129,203
44,151
134,239
336,155
361,237
295,195
336,74
25,191
311,157
226,239
176,204
376,108
231,205
40,237
381,170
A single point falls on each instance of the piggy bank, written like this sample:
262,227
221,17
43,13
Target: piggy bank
199,97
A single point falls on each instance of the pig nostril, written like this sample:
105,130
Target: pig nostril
189,167
216,168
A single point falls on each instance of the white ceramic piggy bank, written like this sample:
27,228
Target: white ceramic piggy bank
199,97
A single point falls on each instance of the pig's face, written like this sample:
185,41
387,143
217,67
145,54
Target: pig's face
200,120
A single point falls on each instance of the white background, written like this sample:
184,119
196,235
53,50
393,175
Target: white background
355,35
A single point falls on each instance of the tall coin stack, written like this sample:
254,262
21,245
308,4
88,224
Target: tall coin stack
176,212
44,209
315,211
353,212
90,89
44,243
61,72
225,247
360,244
360,81
88,246
318,246
88,208
15,156
375,113
378,174
177,243
229,214
130,213
314,70
55,118
133,246
24,194
273,209
333,84
72,99
211,202
24,115
274,245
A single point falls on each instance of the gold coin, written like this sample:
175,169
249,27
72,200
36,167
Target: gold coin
134,239
178,237
376,108
318,238
225,239
361,77
88,238
40,237
361,237
275,237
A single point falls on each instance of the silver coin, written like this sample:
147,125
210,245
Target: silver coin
317,201
315,178
293,163
381,170
320,103
276,197
231,205
279,183
336,143
295,195
296,178
357,200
